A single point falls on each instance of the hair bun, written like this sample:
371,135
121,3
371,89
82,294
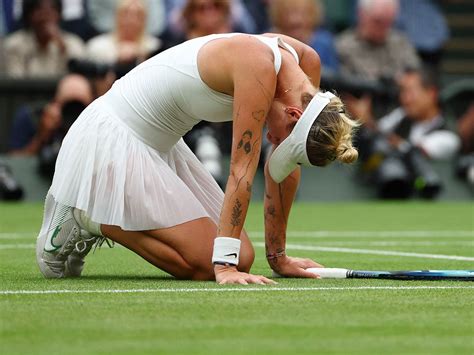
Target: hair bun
346,153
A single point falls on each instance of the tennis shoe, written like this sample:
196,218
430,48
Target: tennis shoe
60,235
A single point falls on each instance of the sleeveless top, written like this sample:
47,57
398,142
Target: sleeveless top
164,97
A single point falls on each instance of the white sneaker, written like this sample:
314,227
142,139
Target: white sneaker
61,238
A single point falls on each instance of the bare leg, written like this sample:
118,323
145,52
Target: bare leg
183,251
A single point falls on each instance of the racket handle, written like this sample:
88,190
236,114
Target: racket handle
329,273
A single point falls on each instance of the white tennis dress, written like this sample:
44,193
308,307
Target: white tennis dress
124,162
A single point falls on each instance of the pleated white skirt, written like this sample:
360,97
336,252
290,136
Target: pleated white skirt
104,169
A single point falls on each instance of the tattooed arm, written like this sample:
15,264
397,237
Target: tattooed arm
254,89
277,204
254,83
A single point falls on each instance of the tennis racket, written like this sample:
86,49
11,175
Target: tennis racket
336,273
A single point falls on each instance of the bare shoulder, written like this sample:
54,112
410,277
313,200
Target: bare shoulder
310,62
237,49
302,49
222,62
249,50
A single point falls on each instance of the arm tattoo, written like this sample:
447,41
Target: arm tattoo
236,218
258,115
247,167
245,141
270,212
272,239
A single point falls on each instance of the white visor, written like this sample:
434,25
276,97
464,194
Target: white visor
292,151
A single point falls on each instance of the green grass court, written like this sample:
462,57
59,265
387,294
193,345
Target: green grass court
124,305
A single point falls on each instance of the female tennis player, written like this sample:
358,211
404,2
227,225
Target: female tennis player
124,172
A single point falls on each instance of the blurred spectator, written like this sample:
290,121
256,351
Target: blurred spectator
413,130
193,18
40,48
200,18
73,17
101,14
35,127
373,50
302,19
128,43
425,26
418,120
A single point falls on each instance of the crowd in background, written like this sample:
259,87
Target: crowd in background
88,44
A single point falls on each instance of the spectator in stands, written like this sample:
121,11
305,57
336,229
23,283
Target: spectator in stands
302,19
425,26
33,128
395,150
195,18
128,43
40,48
419,119
373,50
101,14
200,18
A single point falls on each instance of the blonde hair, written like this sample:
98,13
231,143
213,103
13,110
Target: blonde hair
331,135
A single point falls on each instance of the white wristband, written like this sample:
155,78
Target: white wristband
226,251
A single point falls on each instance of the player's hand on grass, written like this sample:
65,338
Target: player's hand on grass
230,275
294,267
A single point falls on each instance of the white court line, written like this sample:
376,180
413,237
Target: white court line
374,252
320,234
239,289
